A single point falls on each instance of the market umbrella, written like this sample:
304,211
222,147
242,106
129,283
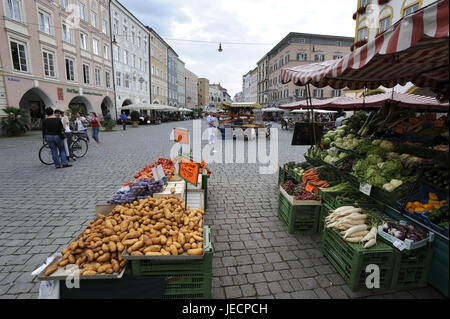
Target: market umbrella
243,105
314,110
167,108
272,109
304,103
415,49
143,106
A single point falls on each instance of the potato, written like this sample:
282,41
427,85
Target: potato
81,243
181,239
71,259
136,246
73,245
105,248
136,253
96,255
124,225
164,231
112,246
153,248
158,226
177,245
104,268
114,238
133,234
116,228
197,238
50,270
195,252
123,263
130,242
152,253
120,247
194,245
81,260
63,263
108,231
173,250
163,239
65,251
98,244
115,265
156,240
104,257
90,254
187,246
191,240
164,252
109,271
88,272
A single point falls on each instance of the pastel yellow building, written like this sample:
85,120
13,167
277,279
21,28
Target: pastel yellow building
158,69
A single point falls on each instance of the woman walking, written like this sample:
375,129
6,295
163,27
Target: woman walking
52,130
80,122
95,127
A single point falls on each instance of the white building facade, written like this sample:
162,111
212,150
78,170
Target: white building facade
181,84
253,86
131,57
246,90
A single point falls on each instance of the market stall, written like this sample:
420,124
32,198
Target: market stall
272,113
382,176
149,241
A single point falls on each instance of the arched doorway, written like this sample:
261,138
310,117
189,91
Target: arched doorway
34,101
108,106
81,104
126,103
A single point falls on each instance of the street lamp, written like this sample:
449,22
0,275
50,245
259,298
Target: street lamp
220,47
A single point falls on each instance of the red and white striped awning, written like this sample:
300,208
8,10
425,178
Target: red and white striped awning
415,49
373,101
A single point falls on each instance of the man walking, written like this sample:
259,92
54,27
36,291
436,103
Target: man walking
212,126
123,118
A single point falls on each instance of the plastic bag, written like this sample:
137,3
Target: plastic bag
48,289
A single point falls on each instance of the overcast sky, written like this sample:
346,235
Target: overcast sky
238,21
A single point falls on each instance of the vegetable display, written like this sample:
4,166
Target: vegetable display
151,227
202,167
312,175
352,224
432,204
438,177
405,232
140,189
299,192
440,216
167,165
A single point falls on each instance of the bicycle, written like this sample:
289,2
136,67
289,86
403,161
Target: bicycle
79,148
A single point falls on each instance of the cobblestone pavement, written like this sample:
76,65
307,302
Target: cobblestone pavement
43,209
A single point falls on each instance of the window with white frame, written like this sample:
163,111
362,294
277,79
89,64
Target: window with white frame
49,64
337,56
139,40
125,57
125,32
133,36
385,24
45,24
64,4
140,64
133,60
82,11
318,93
116,26
127,80
302,56
86,73
118,78
14,9
67,33
84,41
301,40
106,52
70,69
319,57
411,9
335,93
363,34
19,56
116,53
94,19
96,46
300,92
105,26
108,79
145,46
98,76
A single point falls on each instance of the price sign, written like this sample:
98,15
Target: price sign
365,188
439,123
398,130
413,120
431,116
181,135
158,172
189,171
399,245
286,168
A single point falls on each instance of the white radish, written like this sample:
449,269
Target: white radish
354,239
357,216
359,234
352,221
342,208
370,243
371,235
355,229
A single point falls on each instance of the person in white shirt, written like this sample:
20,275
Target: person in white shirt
81,128
68,140
212,126
340,119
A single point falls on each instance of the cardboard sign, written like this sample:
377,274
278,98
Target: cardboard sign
181,135
189,171
439,123
158,172
365,188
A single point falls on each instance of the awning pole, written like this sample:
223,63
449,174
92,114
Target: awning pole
308,99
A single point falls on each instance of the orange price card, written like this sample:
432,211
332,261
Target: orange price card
431,116
181,135
413,120
189,171
439,123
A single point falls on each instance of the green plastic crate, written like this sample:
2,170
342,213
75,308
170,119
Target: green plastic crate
324,211
184,279
205,188
281,176
412,268
302,219
351,260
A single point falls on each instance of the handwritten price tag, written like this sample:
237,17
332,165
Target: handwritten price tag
365,188
399,245
158,172
189,171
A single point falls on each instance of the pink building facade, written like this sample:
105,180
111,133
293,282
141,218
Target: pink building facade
57,54
191,90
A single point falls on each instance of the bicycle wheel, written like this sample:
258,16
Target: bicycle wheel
45,155
79,148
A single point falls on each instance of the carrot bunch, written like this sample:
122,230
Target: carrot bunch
312,175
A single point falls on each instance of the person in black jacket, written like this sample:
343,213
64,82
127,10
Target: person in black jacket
52,130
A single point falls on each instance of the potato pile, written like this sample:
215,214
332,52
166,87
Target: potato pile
150,227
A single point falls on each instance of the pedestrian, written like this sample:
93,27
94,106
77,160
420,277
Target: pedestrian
340,119
212,126
123,118
52,130
108,115
96,125
81,123
67,133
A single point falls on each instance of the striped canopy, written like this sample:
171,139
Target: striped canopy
415,49
243,104
372,101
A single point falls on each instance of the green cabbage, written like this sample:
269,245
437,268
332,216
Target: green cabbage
388,146
374,159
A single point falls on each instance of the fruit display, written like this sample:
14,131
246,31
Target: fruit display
167,165
140,189
432,204
150,227
299,191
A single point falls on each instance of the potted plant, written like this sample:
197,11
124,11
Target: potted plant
108,123
16,122
135,118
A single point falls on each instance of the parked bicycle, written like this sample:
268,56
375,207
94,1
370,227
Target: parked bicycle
79,148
